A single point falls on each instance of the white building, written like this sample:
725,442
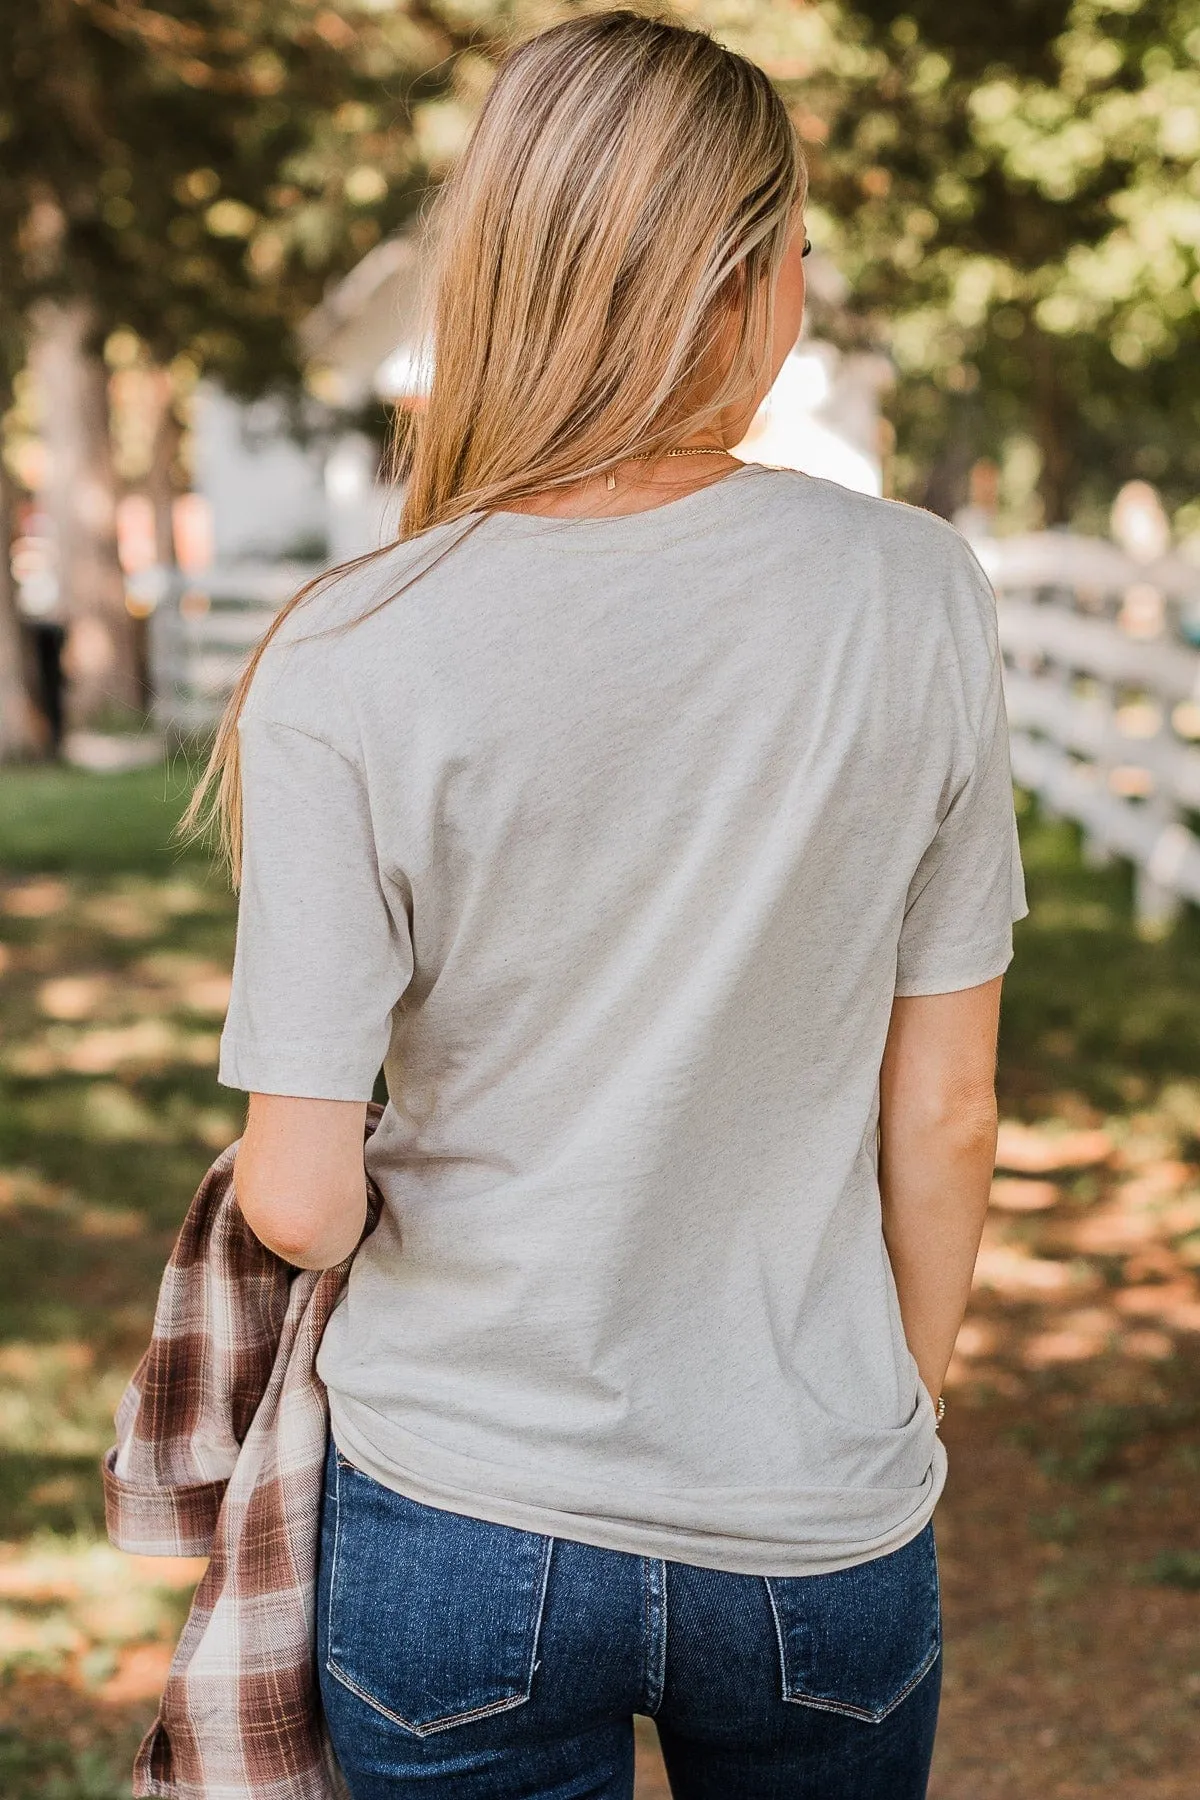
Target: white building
273,496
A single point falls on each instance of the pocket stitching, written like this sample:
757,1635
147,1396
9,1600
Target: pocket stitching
422,1731
860,1712
868,1715
339,1674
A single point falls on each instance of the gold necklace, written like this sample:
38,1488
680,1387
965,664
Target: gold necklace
653,456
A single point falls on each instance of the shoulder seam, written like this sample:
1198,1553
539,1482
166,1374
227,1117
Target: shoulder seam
262,718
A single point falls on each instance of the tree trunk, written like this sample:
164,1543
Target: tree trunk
19,733
101,654
158,486
1056,483
160,476
947,482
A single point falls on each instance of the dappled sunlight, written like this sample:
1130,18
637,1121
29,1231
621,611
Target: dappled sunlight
22,1191
1024,1196
40,898
1082,1333
75,996
1025,1150
131,907
1109,1231
54,1400
164,981
1174,1303
112,989
1095,1266
20,1187
106,1112
77,1005
190,983
91,1614
148,1047
1013,1270
102,1112
178,898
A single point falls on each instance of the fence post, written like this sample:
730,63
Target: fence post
1156,900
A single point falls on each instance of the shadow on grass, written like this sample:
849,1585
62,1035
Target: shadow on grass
1092,1009
53,1768
49,1493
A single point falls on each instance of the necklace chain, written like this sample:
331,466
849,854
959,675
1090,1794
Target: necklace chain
684,450
654,455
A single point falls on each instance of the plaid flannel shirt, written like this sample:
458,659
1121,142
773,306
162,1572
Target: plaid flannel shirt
221,1438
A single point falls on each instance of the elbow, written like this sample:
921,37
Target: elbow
962,1119
282,1233
298,1229
299,1248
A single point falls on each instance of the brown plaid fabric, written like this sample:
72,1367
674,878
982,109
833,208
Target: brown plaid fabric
220,1448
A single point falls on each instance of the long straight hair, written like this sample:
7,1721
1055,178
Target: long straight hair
603,285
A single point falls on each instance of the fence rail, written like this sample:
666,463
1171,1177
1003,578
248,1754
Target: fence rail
1102,682
202,629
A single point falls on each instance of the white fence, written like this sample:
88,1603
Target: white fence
1102,680
1102,677
202,629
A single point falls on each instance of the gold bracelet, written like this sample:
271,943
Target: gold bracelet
939,1410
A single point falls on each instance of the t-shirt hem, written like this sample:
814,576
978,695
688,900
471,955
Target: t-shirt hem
242,1069
794,1548
973,966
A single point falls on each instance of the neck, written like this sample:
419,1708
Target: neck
637,485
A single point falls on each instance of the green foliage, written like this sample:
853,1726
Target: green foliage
1014,196
200,172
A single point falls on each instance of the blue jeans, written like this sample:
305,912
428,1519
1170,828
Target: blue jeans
462,1658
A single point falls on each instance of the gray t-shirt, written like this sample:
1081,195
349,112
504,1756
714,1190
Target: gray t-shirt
612,840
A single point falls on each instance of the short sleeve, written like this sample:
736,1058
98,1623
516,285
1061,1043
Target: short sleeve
969,887
324,950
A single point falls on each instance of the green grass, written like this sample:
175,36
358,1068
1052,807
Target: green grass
1092,1008
1176,1568
54,1770
116,943
61,819
114,940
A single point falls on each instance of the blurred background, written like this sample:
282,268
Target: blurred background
210,273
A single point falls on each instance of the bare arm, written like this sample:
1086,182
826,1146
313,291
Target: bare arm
299,1177
937,1149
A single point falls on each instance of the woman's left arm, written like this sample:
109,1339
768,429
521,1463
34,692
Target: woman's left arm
299,1177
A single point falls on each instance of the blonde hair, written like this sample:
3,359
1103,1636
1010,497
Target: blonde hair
603,284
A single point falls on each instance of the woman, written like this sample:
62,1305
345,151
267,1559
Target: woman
647,816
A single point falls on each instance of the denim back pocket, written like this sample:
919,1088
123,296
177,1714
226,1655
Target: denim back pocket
858,1641
433,1617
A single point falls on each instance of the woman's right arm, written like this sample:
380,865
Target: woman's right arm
299,1177
323,955
937,1149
